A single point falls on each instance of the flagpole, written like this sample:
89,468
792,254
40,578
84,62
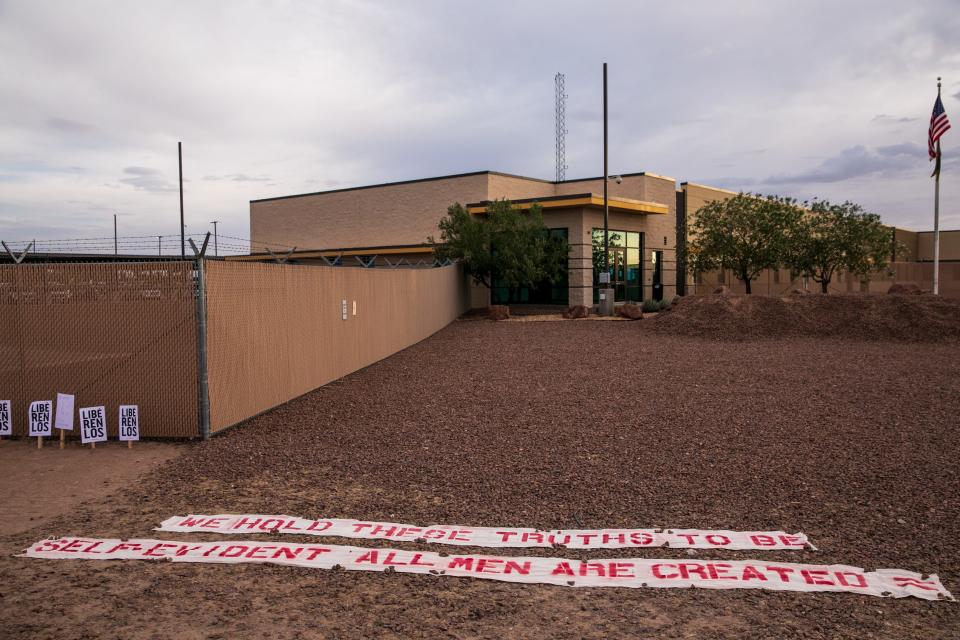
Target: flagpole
936,229
936,218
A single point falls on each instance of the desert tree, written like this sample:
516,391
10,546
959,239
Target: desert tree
745,234
504,245
838,237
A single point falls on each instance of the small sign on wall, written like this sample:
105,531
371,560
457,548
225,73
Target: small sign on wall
41,418
93,425
343,309
129,423
6,421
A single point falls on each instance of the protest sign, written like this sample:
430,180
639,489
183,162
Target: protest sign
64,417
93,425
6,418
41,420
129,423
606,572
491,536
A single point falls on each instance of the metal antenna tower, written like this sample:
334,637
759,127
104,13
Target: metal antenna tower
560,114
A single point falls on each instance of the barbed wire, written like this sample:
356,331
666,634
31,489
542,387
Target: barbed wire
140,244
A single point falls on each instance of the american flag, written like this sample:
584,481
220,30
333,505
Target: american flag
939,125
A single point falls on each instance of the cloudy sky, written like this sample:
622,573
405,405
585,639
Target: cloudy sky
828,99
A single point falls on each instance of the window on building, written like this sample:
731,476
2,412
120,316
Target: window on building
625,264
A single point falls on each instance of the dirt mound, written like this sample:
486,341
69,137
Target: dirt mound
855,316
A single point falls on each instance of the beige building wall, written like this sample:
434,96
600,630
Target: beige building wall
394,214
699,195
502,186
407,213
909,241
949,245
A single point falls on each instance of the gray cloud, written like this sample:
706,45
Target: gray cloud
884,118
857,162
147,179
68,126
239,177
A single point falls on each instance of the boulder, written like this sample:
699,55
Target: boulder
498,312
904,289
721,291
576,311
630,311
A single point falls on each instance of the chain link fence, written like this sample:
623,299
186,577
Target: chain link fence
108,333
202,345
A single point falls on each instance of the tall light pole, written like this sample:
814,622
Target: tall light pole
114,234
214,223
183,238
606,180
606,291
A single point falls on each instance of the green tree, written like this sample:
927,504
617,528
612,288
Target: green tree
834,237
745,234
504,245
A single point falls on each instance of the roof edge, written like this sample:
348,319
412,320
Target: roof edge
451,177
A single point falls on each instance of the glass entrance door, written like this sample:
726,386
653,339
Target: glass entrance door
624,265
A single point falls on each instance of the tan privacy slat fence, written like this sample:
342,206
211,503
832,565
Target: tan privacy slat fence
111,334
275,332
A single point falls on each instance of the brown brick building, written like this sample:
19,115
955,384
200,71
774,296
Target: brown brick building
388,223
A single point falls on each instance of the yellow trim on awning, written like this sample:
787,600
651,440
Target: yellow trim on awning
616,204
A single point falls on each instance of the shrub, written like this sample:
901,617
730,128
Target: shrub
651,306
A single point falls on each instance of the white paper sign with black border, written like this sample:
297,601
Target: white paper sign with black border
129,423
41,418
6,419
93,424
64,415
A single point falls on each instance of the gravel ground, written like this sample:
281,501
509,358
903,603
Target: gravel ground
555,424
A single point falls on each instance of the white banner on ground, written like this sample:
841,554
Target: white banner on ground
64,416
623,572
129,423
93,424
490,536
41,418
6,418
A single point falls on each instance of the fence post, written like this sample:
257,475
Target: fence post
203,385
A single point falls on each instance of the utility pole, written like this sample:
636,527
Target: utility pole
159,245
214,223
183,239
114,234
606,291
